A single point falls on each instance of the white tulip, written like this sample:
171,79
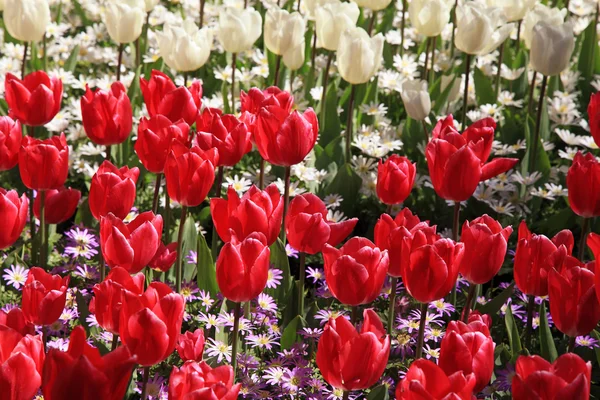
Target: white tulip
309,7
454,93
293,58
184,47
124,19
283,30
415,97
332,19
150,4
359,55
480,30
551,47
1,5
374,5
514,10
26,20
539,13
429,17
238,28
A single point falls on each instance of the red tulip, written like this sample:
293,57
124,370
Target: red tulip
257,211
285,139
583,176
13,216
425,380
44,164
150,324
485,247
59,205
155,136
355,273
536,255
107,115
15,320
308,228
44,296
469,349
10,143
573,303
35,100
396,236
433,269
457,163
225,132
21,361
593,242
198,381
133,245
352,360
480,322
163,97
255,99
108,297
594,117
243,267
190,345
165,257
568,377
395,179
82,373
112,190
190,174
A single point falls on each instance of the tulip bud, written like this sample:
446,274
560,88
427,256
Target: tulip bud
59,205
238,28
429,17
293,59
480,30
44,296
10,143
541,12
395,179
584,174
106,115
198,380
26,20
124,19
332,19
155,136
309,8
355,273
569,377
44,164
594,116
551,47
416,99
112,190
184,47
21,363
150,4
257,211
35,100
130,246
352,360
359,55
165,257
253,101
374,5
283,30
514,10
456,86
190,345
425,379
308,228
243,267
15,320
13,216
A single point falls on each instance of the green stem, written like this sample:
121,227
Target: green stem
421,335
499,72
536,137
261,176
346,395
24,64
325,83
531,89
167,216
234,336
466,92
354,315
301,273
402,27
277,67
145,383
349,124
215,241
286,201
115,342
180,248
529,323
156,193
392,313
44,244
120,60
584,232
571,347
470,296
233,67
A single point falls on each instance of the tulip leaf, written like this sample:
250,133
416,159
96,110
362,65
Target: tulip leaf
279,260
71,62
347,184
484,91
442,99
134,89
514,339
547,347
588,58
542,162
206,275
493,306
596,336
519,86
290,333
189,239
380,392
331,126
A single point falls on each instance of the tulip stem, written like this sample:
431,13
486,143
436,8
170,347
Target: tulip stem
24,63
467,309
392,313
286,201
425,130
402,26
349,124
145,383
215,241
519,35
45,337
234,336
101,266
346,395
108,153
156,193
571,347
180,248
453,29
32,228
354,315
426,66
466,92
167,219
421,336
291,82
372,22
115,342
261,174
233,66
528,327
325,82
120,60
584,232
499,72
301,273
531,89
44,50
313,52
536,137
277,67
44,244
202,3
431,72
456,221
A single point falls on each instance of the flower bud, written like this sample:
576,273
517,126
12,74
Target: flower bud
359,55
551,47
480,30
124,19
184,47
26,20
238,29
416,99
429,17
332,19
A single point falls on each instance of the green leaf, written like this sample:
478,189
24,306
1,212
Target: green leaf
347,184
206,275
589,49
493,306
279,260
596,336
331,126
542,162
71,62
134,90
380,392
484,91
189,239
547,347
514,339
442,99
290,333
